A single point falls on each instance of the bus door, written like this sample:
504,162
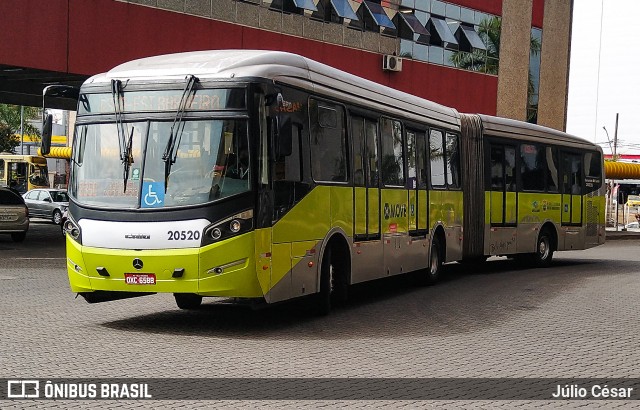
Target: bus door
366,193
366,200
572,177
503,203
417,183
417,196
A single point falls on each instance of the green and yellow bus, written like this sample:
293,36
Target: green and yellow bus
265,176
23,172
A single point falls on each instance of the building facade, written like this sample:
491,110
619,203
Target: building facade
501,57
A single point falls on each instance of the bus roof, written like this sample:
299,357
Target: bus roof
513,129
274,65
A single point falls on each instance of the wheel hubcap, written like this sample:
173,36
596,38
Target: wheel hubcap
543,249
434,263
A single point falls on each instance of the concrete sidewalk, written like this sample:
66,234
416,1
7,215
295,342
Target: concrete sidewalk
612,234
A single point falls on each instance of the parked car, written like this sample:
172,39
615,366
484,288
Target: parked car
633,225
47,203
14,215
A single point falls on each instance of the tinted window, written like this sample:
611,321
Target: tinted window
328,141
8,197
436,156
357,133
572,181
421,160
453,161
392,152
288,168
411,160
371,153
552,169
510,168
497,180
593,164
532,167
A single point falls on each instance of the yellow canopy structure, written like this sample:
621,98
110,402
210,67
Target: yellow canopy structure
58,152
621,170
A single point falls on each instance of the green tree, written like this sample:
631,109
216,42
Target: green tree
485,62
10,125
488,62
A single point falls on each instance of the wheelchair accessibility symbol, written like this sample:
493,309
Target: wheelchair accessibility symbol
152,194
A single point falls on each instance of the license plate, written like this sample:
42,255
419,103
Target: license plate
7,217
140,278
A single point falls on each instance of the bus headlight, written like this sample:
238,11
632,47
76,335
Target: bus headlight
229,227
72,229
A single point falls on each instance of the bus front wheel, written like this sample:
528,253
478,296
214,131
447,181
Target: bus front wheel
187,300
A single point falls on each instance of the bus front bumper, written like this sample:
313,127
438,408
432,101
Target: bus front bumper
225,269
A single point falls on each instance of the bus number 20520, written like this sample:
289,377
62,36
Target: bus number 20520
183,235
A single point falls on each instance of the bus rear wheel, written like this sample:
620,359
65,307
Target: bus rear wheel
434,270
544,250
187,300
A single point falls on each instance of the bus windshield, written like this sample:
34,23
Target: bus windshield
212,162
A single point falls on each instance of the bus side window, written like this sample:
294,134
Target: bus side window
328,141
453,161
552,169
392,152
289,168
436,158
357,133
593,171
532,167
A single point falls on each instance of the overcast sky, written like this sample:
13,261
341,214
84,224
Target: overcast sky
604,77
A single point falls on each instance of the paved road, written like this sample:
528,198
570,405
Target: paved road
576,319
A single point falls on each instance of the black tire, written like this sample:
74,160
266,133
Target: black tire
544,250
56,217
187,301
434,271
323,297
18,236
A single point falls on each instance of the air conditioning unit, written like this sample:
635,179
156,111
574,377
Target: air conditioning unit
392,63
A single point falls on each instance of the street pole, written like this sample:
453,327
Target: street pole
615,158
22,129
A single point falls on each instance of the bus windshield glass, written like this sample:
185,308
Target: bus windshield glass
212,162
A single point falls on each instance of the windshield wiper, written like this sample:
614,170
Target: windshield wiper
128,158
124,145
175,134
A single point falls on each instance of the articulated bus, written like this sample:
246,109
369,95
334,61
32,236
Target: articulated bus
264,176
23,172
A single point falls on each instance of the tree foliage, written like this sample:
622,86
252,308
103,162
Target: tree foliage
10,125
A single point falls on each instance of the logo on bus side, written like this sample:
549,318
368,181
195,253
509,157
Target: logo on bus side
395,210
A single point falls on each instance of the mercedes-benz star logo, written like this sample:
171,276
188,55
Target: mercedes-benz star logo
137,263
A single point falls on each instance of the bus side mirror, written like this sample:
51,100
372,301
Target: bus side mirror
284,138
47,125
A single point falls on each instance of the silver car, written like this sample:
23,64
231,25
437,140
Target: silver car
14,215
47,203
